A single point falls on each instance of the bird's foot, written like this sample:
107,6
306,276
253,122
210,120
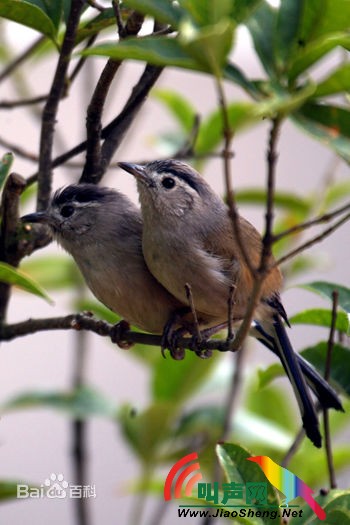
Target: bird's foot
118,335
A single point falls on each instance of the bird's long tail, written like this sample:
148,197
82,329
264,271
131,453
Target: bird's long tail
291,365
326,395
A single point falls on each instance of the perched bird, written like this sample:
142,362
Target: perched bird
188,238
288,483
102,230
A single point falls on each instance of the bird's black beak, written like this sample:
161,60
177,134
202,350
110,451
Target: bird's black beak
39,216
137,170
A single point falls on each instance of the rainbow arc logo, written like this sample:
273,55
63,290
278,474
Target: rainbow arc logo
186,467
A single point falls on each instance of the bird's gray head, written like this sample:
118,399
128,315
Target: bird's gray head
170,187
75,209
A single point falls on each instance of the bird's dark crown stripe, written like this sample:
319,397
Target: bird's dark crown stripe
82,193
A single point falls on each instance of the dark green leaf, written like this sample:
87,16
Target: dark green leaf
326,289
234,74
242,9
161,51
262,26
180,107
10,275
340,364
321,317
29,15
337,82
53,9
329,124
336,504
81,403
234,462
5,166
287,31
176,380
315,51
162,10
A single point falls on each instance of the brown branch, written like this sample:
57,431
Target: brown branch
115,131
327,433
293,449
266,251
311,242
326,217
21,58
51,106
85,321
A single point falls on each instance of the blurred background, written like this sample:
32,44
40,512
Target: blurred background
36,442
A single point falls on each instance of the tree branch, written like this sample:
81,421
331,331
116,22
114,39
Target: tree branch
51,106
21,58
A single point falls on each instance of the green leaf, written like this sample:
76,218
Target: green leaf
180,107
177,380
288,201
53,9
210,45
242,9
336,504
326,289
8,489
97,309
205,13
29,15
315,51
234,462
82,403
287,31
10,275
234,74
321,317
332,16
5,166
103,21
146,431
266,375
340,363
329,124
262,27
162,10
337,82
161,51
54,272
336,192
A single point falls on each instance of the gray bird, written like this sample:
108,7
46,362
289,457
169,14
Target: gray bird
102,230
188,238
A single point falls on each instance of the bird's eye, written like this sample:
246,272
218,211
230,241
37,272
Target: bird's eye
67,211
168,183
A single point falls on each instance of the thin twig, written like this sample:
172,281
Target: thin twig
96,5
325,217
266,251
190,300
21,58
115,131
327,433
293,448
11,104
311,242
51,106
